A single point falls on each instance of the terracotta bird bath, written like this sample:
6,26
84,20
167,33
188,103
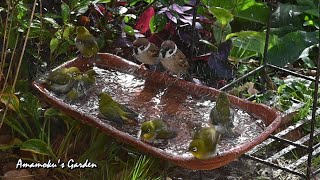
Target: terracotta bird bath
184,105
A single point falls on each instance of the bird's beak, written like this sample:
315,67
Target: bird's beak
163,53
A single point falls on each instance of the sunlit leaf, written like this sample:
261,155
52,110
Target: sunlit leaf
129,30
65,12
223,16
36,146
53,44
52,22
157,23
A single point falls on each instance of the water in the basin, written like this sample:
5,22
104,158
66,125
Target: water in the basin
182,111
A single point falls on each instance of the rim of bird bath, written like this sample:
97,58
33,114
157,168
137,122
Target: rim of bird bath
271,117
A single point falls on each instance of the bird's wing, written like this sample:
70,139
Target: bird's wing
154,50
130,114
111,114
88,41
182,59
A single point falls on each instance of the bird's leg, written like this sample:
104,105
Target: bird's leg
143,66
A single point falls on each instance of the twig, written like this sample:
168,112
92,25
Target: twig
20,60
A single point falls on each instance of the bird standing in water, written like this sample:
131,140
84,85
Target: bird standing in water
156,129
222,115
114,111
204,143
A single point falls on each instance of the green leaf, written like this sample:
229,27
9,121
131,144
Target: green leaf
10,100
288,15
220,32
260,12
67,32
104,1
291,46
157,23
223,16
129,30
244,9
65,12
36,146
52,22
53,44
12,143
306,53
248,40
51,112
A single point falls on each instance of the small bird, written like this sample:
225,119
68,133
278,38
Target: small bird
173,59
86,43
222,115
204,143
63,75
145,51
62,80
156,129
83,83
114,111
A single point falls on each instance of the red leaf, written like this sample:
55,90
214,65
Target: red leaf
144,20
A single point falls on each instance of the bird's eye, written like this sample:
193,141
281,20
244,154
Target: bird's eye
148,130
170,51
194,149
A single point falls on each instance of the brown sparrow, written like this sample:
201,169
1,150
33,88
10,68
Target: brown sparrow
173,59
145,51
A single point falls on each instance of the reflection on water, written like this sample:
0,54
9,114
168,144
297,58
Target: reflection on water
182,111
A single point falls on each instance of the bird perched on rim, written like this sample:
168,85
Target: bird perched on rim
156,129
222,115
145,51
114,111
63,79
204,143
86,43
173,59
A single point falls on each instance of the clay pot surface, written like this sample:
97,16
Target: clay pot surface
175,93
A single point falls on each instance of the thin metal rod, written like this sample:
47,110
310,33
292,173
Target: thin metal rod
266,45
242,77
274,165
313,118
193,27
316,172
289,142
291,72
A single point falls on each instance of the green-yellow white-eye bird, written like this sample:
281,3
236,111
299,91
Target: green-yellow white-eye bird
204,143
114,111
222,114
63,75
156,129
83,83
86,43
62,80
